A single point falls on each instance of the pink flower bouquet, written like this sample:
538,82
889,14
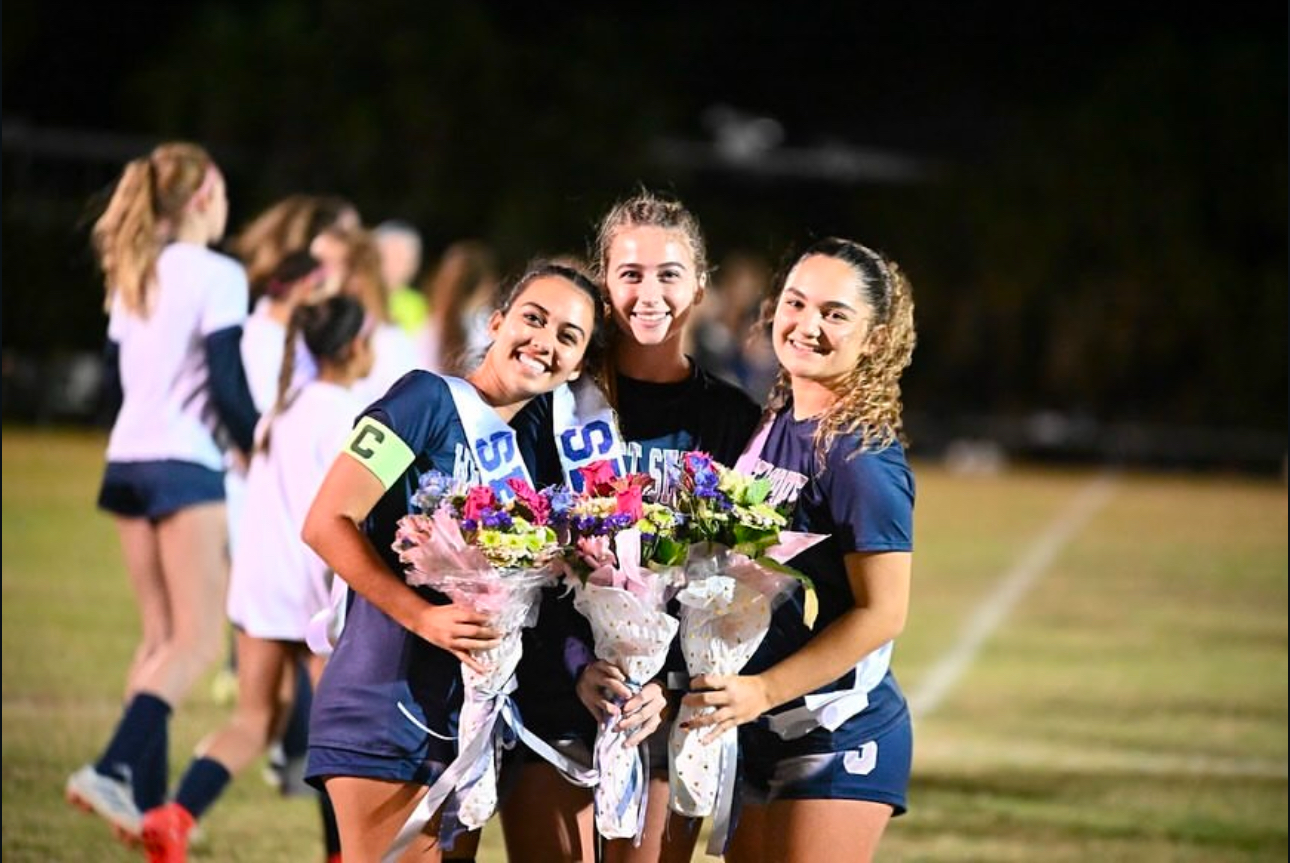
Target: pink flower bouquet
492,556
734,578
625,557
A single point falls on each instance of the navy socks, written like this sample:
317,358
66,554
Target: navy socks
203,783
138,751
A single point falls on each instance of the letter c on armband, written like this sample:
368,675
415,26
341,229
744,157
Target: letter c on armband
380,450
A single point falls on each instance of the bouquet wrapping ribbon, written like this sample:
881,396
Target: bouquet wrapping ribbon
624,604
726,608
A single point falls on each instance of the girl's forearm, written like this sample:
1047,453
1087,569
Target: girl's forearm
828,656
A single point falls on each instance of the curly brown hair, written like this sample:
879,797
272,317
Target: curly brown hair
869,402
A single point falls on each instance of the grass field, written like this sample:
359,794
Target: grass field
1110,684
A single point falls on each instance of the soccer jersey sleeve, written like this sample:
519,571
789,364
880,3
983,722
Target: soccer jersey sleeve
408,422
227,297
228,385
871,498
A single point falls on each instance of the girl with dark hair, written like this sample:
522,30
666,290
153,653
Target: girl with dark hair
385,713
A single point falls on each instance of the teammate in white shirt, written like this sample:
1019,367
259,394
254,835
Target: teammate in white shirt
278,584
176,314
297,279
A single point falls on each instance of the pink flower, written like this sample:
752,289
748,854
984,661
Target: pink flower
479,500
538,506
597,476
629,503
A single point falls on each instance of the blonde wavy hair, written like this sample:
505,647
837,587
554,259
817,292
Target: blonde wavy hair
283,228
869,402
142,215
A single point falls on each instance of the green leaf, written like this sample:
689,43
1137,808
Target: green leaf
811,604
757,536
668,551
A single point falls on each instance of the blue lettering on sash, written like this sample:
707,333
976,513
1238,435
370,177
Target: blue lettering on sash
499,485
496,450
596,438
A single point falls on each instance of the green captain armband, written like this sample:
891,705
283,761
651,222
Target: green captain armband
379,450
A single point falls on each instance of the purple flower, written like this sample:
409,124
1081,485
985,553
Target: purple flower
497,519
561,498
432,487
619,521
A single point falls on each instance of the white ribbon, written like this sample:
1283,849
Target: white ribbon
622,795
475,756
323,630
822,710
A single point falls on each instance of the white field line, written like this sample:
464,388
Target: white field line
1032,565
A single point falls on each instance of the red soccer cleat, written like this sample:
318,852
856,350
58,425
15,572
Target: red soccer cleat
165,833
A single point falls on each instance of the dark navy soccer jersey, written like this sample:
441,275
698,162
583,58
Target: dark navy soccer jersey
862,501
660,421
383,681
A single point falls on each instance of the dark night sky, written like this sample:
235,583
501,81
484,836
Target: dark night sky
928,74
1089,157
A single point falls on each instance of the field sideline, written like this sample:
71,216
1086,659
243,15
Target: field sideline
1098,665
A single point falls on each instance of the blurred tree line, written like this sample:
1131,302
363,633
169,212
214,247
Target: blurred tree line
1114,245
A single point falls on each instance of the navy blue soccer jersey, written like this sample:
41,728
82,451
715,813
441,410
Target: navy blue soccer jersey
660,421
383,684
862,501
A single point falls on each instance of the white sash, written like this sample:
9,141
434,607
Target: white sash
491,441
585,430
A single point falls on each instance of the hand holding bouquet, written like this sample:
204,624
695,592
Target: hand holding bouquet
734,578
492,556
624,559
